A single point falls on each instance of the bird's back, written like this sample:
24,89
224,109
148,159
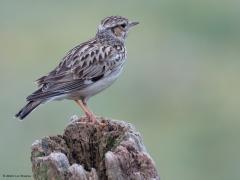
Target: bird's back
82,67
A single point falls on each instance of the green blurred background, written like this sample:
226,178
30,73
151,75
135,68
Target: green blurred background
180,87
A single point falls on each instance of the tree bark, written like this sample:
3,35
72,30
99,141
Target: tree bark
111,150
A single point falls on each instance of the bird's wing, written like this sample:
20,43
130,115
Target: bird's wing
82,66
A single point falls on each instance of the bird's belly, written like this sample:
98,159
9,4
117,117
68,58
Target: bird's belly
99,85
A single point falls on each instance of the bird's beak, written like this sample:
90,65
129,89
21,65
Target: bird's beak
131,24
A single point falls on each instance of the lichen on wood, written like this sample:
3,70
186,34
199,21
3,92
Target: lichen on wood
111,150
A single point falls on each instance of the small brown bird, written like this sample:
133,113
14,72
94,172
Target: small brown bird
86,70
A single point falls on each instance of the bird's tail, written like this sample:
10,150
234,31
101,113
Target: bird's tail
27,109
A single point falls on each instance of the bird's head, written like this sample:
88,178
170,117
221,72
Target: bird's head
116,26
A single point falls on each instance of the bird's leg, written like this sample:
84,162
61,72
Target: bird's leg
92,116
87,111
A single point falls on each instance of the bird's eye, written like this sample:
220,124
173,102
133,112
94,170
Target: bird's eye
123,25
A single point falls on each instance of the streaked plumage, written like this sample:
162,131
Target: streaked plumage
87,69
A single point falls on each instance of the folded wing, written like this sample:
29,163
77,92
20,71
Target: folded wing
82,66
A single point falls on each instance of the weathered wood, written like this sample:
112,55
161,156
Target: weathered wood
112,150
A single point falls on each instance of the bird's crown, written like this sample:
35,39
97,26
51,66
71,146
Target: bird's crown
112,21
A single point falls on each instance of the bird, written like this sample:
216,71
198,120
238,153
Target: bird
85,70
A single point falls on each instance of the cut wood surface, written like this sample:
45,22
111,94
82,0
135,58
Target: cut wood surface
111,150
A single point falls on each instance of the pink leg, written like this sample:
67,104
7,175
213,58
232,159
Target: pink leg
86,110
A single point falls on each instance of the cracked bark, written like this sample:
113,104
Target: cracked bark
89,151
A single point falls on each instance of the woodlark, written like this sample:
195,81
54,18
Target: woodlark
86,70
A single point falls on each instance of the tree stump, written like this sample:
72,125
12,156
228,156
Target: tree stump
111,150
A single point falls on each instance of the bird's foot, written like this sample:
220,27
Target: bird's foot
92,119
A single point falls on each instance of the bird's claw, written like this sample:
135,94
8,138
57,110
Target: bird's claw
92,119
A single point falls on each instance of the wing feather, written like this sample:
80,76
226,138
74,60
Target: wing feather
83,65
